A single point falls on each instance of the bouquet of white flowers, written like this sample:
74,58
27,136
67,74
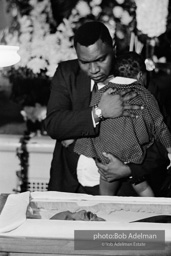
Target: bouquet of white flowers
40,49
151,16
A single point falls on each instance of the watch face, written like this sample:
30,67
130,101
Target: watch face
98,112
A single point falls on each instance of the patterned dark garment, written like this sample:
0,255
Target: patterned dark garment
125,137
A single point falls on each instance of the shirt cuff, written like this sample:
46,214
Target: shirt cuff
169,156
136,176
94,123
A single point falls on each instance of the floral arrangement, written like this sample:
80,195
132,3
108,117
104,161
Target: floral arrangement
151,23
40,49
43,45
152,16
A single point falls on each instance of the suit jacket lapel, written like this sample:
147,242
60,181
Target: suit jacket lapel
83,85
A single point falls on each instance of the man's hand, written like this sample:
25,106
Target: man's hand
114,170
114,105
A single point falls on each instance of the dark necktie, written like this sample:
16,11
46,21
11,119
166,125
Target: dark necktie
94,92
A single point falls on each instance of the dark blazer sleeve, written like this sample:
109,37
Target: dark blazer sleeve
154,167
68,112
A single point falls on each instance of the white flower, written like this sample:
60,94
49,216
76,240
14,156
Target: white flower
120,34
150,66
14,12
26,24
152,16
120,1
95,2
105,18
36,65
33,2
34,113
160,60
117,11
83,8
126,18
96,10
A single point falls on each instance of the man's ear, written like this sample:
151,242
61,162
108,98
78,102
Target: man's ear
139,76
142,78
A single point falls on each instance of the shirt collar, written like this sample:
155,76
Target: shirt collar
122,80
101,85
116,80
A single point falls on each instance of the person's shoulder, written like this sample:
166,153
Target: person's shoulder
69,65
147,95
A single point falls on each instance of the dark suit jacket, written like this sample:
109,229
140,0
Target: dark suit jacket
69,117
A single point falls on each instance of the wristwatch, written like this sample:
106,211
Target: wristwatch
98,112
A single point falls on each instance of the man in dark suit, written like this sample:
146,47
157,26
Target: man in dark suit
69,115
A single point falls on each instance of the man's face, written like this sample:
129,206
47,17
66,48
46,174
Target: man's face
95,60
80,215
86,216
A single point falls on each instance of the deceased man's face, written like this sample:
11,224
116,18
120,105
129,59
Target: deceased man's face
80,215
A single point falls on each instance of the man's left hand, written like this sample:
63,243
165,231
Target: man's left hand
114,170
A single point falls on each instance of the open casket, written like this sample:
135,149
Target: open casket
130,222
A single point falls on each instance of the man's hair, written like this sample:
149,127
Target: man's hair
89,33
129,64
